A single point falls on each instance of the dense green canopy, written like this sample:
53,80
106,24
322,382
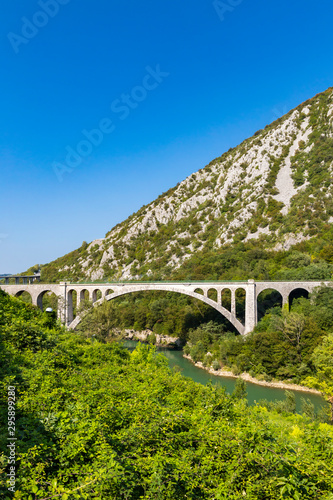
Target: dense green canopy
94,421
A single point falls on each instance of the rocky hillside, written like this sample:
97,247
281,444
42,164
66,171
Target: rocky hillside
273,191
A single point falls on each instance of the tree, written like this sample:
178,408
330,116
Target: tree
292,325
322,359
240,389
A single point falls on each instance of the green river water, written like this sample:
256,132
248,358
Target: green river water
254,392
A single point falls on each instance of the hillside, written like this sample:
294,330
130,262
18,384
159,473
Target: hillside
93,421
272,193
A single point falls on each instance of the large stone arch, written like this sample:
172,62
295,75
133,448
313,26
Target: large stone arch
296,293
277,287
40,296
235,322
20,292
266,299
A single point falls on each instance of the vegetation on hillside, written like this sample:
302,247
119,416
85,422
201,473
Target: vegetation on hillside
94,421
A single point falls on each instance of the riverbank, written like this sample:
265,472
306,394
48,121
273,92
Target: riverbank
247,377
149,336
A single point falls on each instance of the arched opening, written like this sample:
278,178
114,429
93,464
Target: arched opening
164,313
240,295
72,305
226,299
266,300
47,299
84,302
212,294
96,295
84,295
297,294
199,291
108,292
24,296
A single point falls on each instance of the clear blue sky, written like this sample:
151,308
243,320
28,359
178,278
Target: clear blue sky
229,74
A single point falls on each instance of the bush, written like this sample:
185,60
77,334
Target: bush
216,365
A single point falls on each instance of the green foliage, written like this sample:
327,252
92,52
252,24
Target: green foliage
282,345
96,422
240,389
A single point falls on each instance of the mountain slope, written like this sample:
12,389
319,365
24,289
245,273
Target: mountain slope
272,191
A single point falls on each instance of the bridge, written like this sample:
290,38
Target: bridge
98,292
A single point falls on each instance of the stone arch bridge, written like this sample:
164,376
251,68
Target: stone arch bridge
199,290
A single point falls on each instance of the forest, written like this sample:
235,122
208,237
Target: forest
94,421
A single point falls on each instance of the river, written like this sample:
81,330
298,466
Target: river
254,392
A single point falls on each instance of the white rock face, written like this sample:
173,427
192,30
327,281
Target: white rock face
284,181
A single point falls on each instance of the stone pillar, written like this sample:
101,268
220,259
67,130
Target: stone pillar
285,301
34,300
219,297
233,302
62,303
250,307
205,292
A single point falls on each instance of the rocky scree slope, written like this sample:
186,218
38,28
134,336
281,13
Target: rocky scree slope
274,188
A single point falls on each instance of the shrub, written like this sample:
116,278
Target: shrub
215,365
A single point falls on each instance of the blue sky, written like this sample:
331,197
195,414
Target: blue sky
165,86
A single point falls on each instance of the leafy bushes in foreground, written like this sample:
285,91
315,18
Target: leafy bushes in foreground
96,422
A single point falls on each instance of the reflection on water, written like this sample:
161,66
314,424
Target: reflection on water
254,392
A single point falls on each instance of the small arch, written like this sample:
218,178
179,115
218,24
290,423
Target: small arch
108,292
296,294
212,294
267,299
240,296
226,299
138,288
199,291
71,304
84,295
96,295
24,296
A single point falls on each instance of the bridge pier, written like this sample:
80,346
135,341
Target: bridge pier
233,303
250,307
219,297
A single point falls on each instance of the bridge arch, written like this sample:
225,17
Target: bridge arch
266,299
24,295
41,295
240,303
84,295
96,295
226,298
224,312
297,293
